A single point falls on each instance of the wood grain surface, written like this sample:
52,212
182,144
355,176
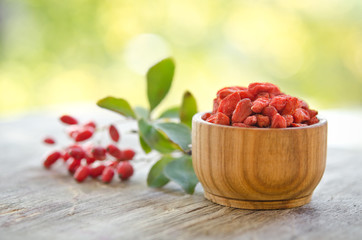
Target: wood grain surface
40,204
258,168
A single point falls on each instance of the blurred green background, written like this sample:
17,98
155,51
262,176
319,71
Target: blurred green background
61,52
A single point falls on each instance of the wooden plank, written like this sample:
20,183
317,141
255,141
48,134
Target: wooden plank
38,204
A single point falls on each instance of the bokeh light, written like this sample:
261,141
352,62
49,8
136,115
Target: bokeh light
55,52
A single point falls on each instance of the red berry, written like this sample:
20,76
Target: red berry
90,124
107,174
73,131
228,104
68,120
49,140
51,159
313,120
219,118
262,121
99,153
125,170
65,156
301,115
289,119
128,154
112,164
96,171
251,120
269,111
242,111
73,164
114,151
113,132
206,116
259,104
246,94
90,159
84,135
256,88
76,152
81,173
278,121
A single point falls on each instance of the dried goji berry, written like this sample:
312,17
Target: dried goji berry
279,102
259,104
312,113
219,118
301,115
256,88
223,93
242,111
291,105
313,120
215,106
263,95
269,111
205,116
289,119
251,120
303,104
245,94
228,104
262,121
278,121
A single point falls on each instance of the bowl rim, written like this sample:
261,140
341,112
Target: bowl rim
197,118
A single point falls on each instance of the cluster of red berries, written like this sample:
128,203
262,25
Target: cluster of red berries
260,105
85,159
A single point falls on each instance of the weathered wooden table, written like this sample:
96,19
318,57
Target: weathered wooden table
40,204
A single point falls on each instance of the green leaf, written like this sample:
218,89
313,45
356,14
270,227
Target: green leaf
156,178
177,132
172,112
181,171
144,145
188,108
117,105
141,112
155,139
159,79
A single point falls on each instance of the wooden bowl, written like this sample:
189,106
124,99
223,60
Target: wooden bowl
258,168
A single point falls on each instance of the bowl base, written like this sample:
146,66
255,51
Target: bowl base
258,205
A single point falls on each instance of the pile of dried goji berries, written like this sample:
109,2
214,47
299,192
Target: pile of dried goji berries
84,159
259,105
